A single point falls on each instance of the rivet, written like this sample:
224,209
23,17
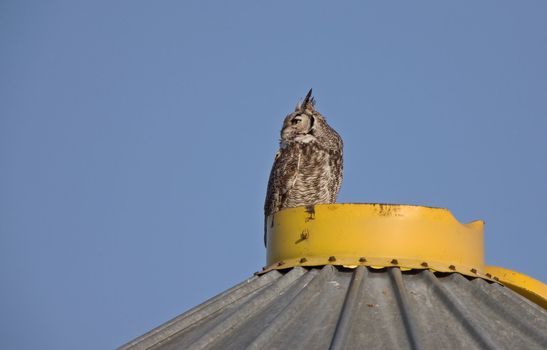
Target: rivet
488,275
394,262
424,264
474,270
452,267
332,258
362,259
280,263
303,260
496,279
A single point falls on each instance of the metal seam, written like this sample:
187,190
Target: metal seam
409,320
345,320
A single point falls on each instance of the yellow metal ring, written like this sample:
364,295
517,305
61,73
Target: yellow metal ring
377,235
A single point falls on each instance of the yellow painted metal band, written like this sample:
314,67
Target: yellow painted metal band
375,235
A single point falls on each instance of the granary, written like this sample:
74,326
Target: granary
367,276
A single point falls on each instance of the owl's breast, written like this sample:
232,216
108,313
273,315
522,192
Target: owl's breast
315,180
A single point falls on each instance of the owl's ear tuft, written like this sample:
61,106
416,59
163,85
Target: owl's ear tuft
309,101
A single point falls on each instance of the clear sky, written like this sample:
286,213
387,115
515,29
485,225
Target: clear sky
136,139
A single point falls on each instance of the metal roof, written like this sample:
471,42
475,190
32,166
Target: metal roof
363,308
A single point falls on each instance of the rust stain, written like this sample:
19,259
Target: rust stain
388,209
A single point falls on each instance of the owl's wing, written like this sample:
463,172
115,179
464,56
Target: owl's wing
282,178
337,162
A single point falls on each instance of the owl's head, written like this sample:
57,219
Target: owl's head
302,122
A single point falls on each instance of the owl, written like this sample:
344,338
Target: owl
307,169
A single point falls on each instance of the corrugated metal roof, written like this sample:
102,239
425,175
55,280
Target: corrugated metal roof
362,308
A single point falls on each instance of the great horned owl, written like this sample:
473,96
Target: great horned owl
307,169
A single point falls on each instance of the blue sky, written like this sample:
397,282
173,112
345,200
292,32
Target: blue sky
136,139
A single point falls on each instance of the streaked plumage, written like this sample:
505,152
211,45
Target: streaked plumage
307,169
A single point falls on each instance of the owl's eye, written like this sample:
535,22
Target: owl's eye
296,121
